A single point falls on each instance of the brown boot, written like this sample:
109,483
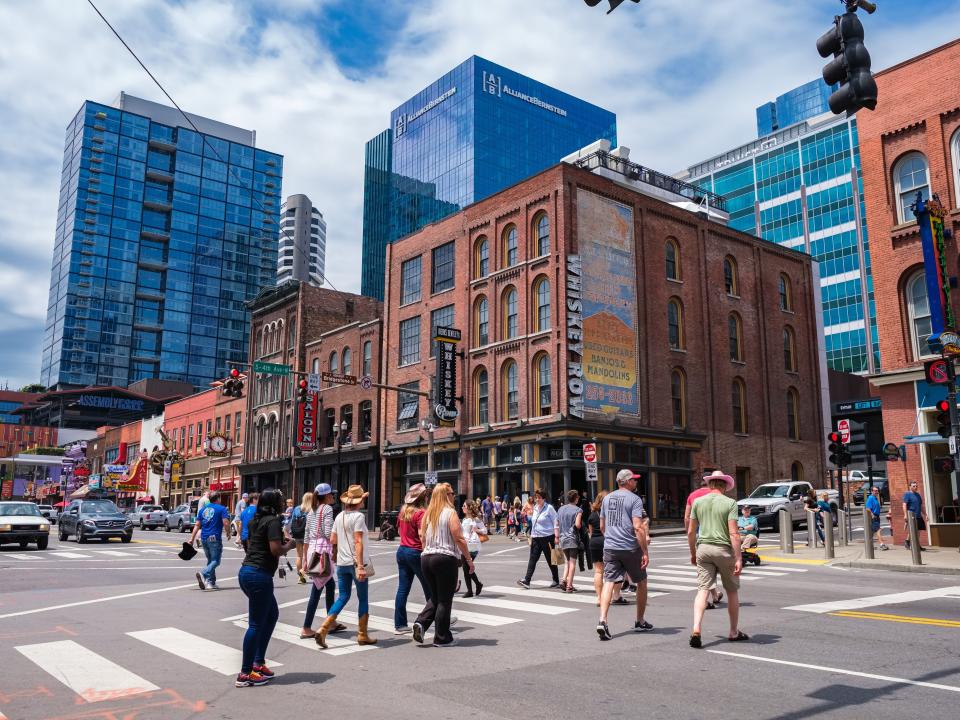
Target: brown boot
363,638
321,636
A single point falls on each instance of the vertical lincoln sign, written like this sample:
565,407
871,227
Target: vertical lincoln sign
307,422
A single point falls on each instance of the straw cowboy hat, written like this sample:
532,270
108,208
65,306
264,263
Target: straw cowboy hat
720,475
414,493
354,495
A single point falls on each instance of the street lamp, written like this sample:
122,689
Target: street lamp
428,426
338,432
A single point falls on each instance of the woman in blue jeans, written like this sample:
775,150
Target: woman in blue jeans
319,529
264,548
349,537
408,554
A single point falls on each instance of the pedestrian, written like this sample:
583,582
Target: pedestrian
474,532
265,547
511,522
824,514
350,539
298,531
408,553
810,503
443,546
595,546
584,561
487,507
748,528
497,513
317,538
570,520
248,512
715,594
211,523
715,550
237,513
287,515
913,503
204,501
624,549
527,517
873,505
544,533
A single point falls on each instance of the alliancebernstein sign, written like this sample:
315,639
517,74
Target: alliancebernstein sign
494,85
404,119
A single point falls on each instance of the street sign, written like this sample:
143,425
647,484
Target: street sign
313,382
591,472
891,451
936,371
366,382
430,479
843,427
952,444
338,379
589,453
266,368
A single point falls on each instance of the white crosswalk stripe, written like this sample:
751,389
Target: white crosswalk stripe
335,645
220,658
465,615
22,556
91,676
538,609
114,553
69,555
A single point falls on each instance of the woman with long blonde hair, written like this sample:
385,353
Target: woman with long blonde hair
443,546
298,531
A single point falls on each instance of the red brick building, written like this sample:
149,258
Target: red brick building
602,307
911,143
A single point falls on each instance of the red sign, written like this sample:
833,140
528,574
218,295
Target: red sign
136,481
307,422
843,427
6,489
589,452
936,371
223,485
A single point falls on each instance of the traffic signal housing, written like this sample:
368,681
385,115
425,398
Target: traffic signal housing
943,418
613,4
233,385
943,464
850,65
839,452
302,391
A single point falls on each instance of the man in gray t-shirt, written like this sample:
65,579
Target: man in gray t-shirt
624,548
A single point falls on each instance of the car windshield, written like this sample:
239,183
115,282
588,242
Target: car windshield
19,509
769,491
98,507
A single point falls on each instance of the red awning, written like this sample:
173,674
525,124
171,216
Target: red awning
145,499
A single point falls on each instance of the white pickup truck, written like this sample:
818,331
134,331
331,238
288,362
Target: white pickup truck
767,499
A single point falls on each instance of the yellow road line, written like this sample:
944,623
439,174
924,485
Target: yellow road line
907,619
790,560
157,542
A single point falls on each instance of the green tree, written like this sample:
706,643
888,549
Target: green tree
33,388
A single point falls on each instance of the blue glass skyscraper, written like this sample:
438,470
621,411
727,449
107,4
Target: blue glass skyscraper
797,105
162,236
475,131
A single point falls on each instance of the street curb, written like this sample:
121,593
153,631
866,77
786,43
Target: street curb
929,569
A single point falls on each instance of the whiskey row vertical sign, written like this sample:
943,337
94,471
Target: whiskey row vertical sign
445,408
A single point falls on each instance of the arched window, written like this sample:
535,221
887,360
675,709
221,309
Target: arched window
796,471
510,314
910,176
315,366
738,406
731,279
511,391
918,308
789,350
678,397
481,322
481,257
735,334
542,383
272,438
541,230
672,254
510,248
785,291
481,394
368,358
334,363
955,152
264,341
675,324
347,361
793,414
261,437
541,291
258,343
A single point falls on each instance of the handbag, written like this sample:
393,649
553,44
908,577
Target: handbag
368,569
557,557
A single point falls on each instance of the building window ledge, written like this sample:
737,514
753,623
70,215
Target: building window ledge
739,362
675,281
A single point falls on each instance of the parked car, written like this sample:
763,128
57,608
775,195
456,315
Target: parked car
48,512
180,518
22,523
85,519
881,483
148,516
766,501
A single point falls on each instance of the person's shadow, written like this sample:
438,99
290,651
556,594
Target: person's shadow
302,678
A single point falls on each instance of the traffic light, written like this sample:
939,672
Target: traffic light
835,447
943,464
613,4
943,418
233,385
851,62
302,391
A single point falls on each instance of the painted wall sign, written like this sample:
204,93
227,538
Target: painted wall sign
575,336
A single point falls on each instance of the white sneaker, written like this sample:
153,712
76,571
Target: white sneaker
405,630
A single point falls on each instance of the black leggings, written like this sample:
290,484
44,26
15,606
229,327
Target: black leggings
540,545
440,572
469,577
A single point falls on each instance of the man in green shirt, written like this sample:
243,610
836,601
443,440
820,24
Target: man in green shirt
715,549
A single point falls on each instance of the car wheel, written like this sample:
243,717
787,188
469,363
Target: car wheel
23,544
142,526
61,535
42,543
126,538
166,526
81,538
180,526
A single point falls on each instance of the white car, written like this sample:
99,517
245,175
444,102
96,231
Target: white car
148,516
767,500
22,523
48,512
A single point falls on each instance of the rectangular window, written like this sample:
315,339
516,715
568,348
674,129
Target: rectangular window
219,422
408,408
410,276
481,457
442,268
442,317
410,341
226,425
199,434
236,428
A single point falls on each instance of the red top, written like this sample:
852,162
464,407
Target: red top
699,492
409,530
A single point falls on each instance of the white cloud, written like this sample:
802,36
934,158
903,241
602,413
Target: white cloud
683,78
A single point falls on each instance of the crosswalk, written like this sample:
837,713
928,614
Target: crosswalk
128,553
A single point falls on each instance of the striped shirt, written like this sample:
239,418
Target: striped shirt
314,523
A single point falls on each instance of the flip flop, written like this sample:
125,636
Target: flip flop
307,637
741,637
695,641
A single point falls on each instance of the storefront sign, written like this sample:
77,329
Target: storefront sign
110,403
307,412
136,481
929,216
446,381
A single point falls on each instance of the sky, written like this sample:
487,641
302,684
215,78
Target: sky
317,78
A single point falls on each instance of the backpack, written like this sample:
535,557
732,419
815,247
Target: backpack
298,525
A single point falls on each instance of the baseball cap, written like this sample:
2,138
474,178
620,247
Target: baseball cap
323,489
625,475
245,495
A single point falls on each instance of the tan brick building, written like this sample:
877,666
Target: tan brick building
911,143
600,304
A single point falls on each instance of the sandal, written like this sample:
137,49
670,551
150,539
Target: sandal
711,606
719,598
620,601
695,641
304,636
741,637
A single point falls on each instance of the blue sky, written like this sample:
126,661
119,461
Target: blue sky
319,79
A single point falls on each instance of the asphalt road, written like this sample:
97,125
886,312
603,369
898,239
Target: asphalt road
121,631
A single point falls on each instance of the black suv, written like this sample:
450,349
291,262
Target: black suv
860,493
86,519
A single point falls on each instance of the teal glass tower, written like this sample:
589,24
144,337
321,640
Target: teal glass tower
801,103
475,131
163,234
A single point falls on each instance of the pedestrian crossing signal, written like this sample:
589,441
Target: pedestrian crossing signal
943,464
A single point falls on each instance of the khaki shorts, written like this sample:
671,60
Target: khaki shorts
713,560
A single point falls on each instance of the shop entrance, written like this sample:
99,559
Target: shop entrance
510,485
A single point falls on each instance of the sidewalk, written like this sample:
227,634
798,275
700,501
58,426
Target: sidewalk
945,561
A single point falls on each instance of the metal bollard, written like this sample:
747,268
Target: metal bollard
811,529
842,524
914,539
786,531
867,534
828,537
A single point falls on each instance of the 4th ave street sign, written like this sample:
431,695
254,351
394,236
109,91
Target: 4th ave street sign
266,368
